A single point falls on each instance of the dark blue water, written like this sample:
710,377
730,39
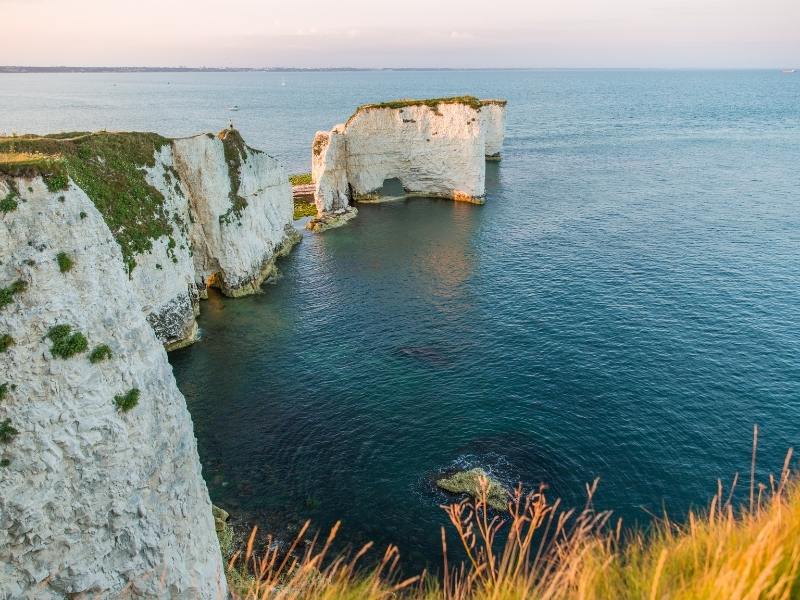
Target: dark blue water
625,306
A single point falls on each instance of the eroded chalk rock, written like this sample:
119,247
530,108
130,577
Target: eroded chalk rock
188,213
435,148
101,493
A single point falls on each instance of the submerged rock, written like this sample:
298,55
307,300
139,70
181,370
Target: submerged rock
469,482
425,353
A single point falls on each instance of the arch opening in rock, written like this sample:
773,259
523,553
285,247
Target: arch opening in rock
391,188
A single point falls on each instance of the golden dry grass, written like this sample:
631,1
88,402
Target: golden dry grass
539,551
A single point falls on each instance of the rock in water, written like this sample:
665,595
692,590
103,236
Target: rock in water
469,482
436,147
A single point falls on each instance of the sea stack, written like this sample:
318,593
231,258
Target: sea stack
435,148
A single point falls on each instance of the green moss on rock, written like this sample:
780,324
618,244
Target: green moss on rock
7,293
66,343
6,341
469,482
65,263
100,353
9,202
128,400
7,432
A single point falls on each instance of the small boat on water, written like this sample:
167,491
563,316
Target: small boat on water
234,108
788,71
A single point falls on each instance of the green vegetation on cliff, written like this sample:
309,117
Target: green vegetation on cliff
7,293
65,263
109,167
6,341
236,152
128,400
433,103
66,343
301,179
7,432
100,353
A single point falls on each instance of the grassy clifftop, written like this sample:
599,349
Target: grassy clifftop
432,103
109,168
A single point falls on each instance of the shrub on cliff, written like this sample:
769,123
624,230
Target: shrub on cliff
127,401
100,353
6,341
65,263
7,432
8,203
7,293
66,343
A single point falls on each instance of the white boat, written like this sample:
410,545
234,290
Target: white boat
235,107
788,71
283,82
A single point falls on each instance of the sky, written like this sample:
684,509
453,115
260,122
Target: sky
402,33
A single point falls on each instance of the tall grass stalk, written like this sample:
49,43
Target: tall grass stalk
541,551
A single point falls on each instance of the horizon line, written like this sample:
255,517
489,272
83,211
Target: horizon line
8,69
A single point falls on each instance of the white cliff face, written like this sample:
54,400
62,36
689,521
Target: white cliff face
493,117
94,501
234,250
432,151
437,150
164,278
329,170
210,243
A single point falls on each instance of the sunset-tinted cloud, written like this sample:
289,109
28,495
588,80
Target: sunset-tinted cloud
446,33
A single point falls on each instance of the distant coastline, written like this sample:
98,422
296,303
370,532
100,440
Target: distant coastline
64,69
68,69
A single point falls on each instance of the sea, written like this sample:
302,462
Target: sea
625,306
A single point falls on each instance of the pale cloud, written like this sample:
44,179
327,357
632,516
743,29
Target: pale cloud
421,33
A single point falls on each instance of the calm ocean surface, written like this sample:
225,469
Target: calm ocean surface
625,306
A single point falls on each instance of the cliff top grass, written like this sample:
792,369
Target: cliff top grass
109,167
301,179
432,103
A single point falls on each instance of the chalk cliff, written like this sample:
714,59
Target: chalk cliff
192,213
101,493
432,147
107,243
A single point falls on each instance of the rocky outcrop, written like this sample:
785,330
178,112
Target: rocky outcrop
431,147
493,117
479,485
187,213
101,493
242,206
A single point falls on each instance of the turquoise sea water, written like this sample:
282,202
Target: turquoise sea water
625,306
